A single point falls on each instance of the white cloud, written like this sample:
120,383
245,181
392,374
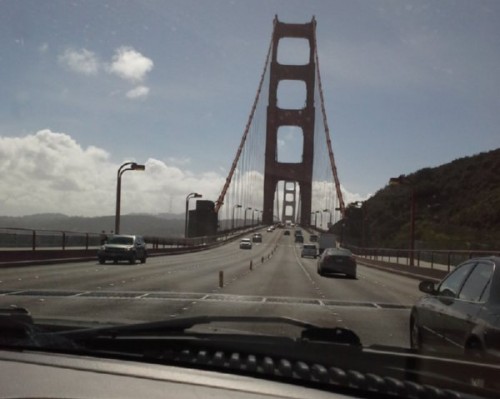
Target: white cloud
51,172
82,61
127,63
138,93
43,48
130,65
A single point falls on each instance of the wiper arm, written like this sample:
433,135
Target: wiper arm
16,324
17,329
310,332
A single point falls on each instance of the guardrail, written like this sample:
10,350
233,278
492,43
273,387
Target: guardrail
443,260
26,245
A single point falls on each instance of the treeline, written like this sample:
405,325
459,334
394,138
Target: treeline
457,206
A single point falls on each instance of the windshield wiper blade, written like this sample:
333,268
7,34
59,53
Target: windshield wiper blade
310,331
18,329
16,324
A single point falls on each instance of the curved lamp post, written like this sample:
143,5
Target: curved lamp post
189,196
121,170
232,220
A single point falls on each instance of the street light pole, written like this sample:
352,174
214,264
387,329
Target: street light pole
232,220
121,170
189,196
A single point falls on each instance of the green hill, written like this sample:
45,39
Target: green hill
457,207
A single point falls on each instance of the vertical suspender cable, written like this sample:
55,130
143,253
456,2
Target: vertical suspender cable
327,133
220,200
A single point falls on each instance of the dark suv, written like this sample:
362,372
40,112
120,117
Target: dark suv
257,237
123,247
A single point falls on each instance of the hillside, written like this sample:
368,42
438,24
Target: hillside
457,207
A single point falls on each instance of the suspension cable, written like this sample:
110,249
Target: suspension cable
220,200
327,132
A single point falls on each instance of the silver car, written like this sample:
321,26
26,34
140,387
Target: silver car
309,250
246,243
123,247
337,260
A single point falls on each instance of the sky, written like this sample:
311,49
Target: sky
88,85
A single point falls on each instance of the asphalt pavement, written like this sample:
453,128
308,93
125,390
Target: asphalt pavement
271,279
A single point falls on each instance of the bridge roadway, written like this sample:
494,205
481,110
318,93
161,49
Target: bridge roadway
376,305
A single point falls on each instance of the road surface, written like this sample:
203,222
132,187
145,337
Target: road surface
271,279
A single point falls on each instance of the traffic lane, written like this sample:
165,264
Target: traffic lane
383,287
378,315
373,326
56,270
114,310
405,289
279,275
287,274
155,274
201,272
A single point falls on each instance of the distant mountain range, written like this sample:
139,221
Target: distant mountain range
162,225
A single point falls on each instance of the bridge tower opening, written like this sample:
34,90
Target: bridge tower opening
300,172
289,202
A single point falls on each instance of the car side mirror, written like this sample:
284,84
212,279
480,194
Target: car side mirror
427,286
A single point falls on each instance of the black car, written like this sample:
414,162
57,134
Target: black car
337,260
257,237
461,314
123,247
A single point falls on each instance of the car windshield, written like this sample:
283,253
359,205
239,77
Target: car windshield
121,240
223,135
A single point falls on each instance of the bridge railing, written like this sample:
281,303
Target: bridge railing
443,260
36,245
16,238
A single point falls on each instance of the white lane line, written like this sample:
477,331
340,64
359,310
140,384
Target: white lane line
303,268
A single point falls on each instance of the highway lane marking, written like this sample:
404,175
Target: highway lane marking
195,298
303,268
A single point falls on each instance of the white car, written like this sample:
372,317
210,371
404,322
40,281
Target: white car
246,243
